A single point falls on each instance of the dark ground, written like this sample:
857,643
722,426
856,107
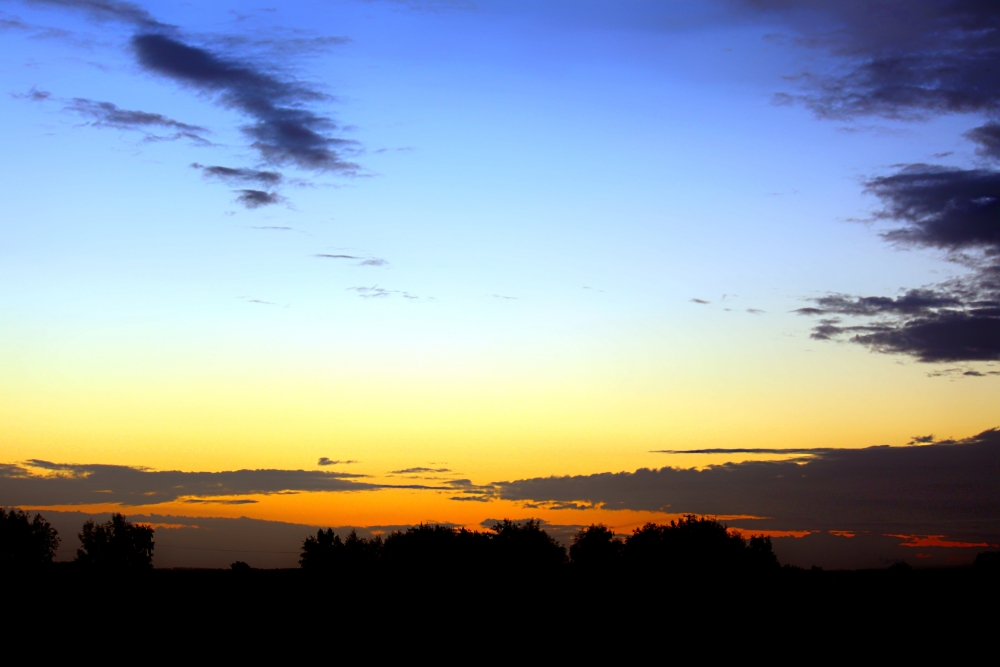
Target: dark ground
242,610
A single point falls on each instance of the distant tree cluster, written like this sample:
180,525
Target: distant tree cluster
26,542
115,544
692,544
507,544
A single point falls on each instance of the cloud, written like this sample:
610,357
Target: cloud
955,210
324,461
106,10
258,198
34,95
275,228
941,207
110,115
988,138
376,292
411,471
743,450
896,60
944,488
365,261
240,175
38,482
283,131
701,301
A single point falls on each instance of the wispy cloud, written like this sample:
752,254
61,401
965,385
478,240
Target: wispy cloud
376,292
324,461
257,198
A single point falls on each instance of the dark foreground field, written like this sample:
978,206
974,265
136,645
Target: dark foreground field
390,608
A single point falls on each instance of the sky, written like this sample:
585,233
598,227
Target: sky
372,263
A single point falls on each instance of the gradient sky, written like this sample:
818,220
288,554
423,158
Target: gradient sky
537,242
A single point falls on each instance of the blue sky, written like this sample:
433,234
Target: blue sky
540,194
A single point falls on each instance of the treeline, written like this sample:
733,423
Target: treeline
115,544
691,544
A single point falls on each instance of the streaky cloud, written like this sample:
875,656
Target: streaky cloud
44,483
283,131
240,174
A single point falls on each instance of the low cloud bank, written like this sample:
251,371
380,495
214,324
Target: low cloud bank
947,488
42,483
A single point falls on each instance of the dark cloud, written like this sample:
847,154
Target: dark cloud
34,95
106,114
955,210
202,501
276,228
240,175
283,131
958,320
922,439
701,301
374,261
941,207
106,10
411,471
988,138
326,256
947,488
37,482
324,461
742,450
896,60
258,198
756,311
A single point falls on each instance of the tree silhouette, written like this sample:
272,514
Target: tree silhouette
525,546
596,547
322,552
25,542
116,544
436,549
695,544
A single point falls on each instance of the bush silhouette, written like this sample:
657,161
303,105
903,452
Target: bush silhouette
596,547
116,544
239,566
987,561
25,542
